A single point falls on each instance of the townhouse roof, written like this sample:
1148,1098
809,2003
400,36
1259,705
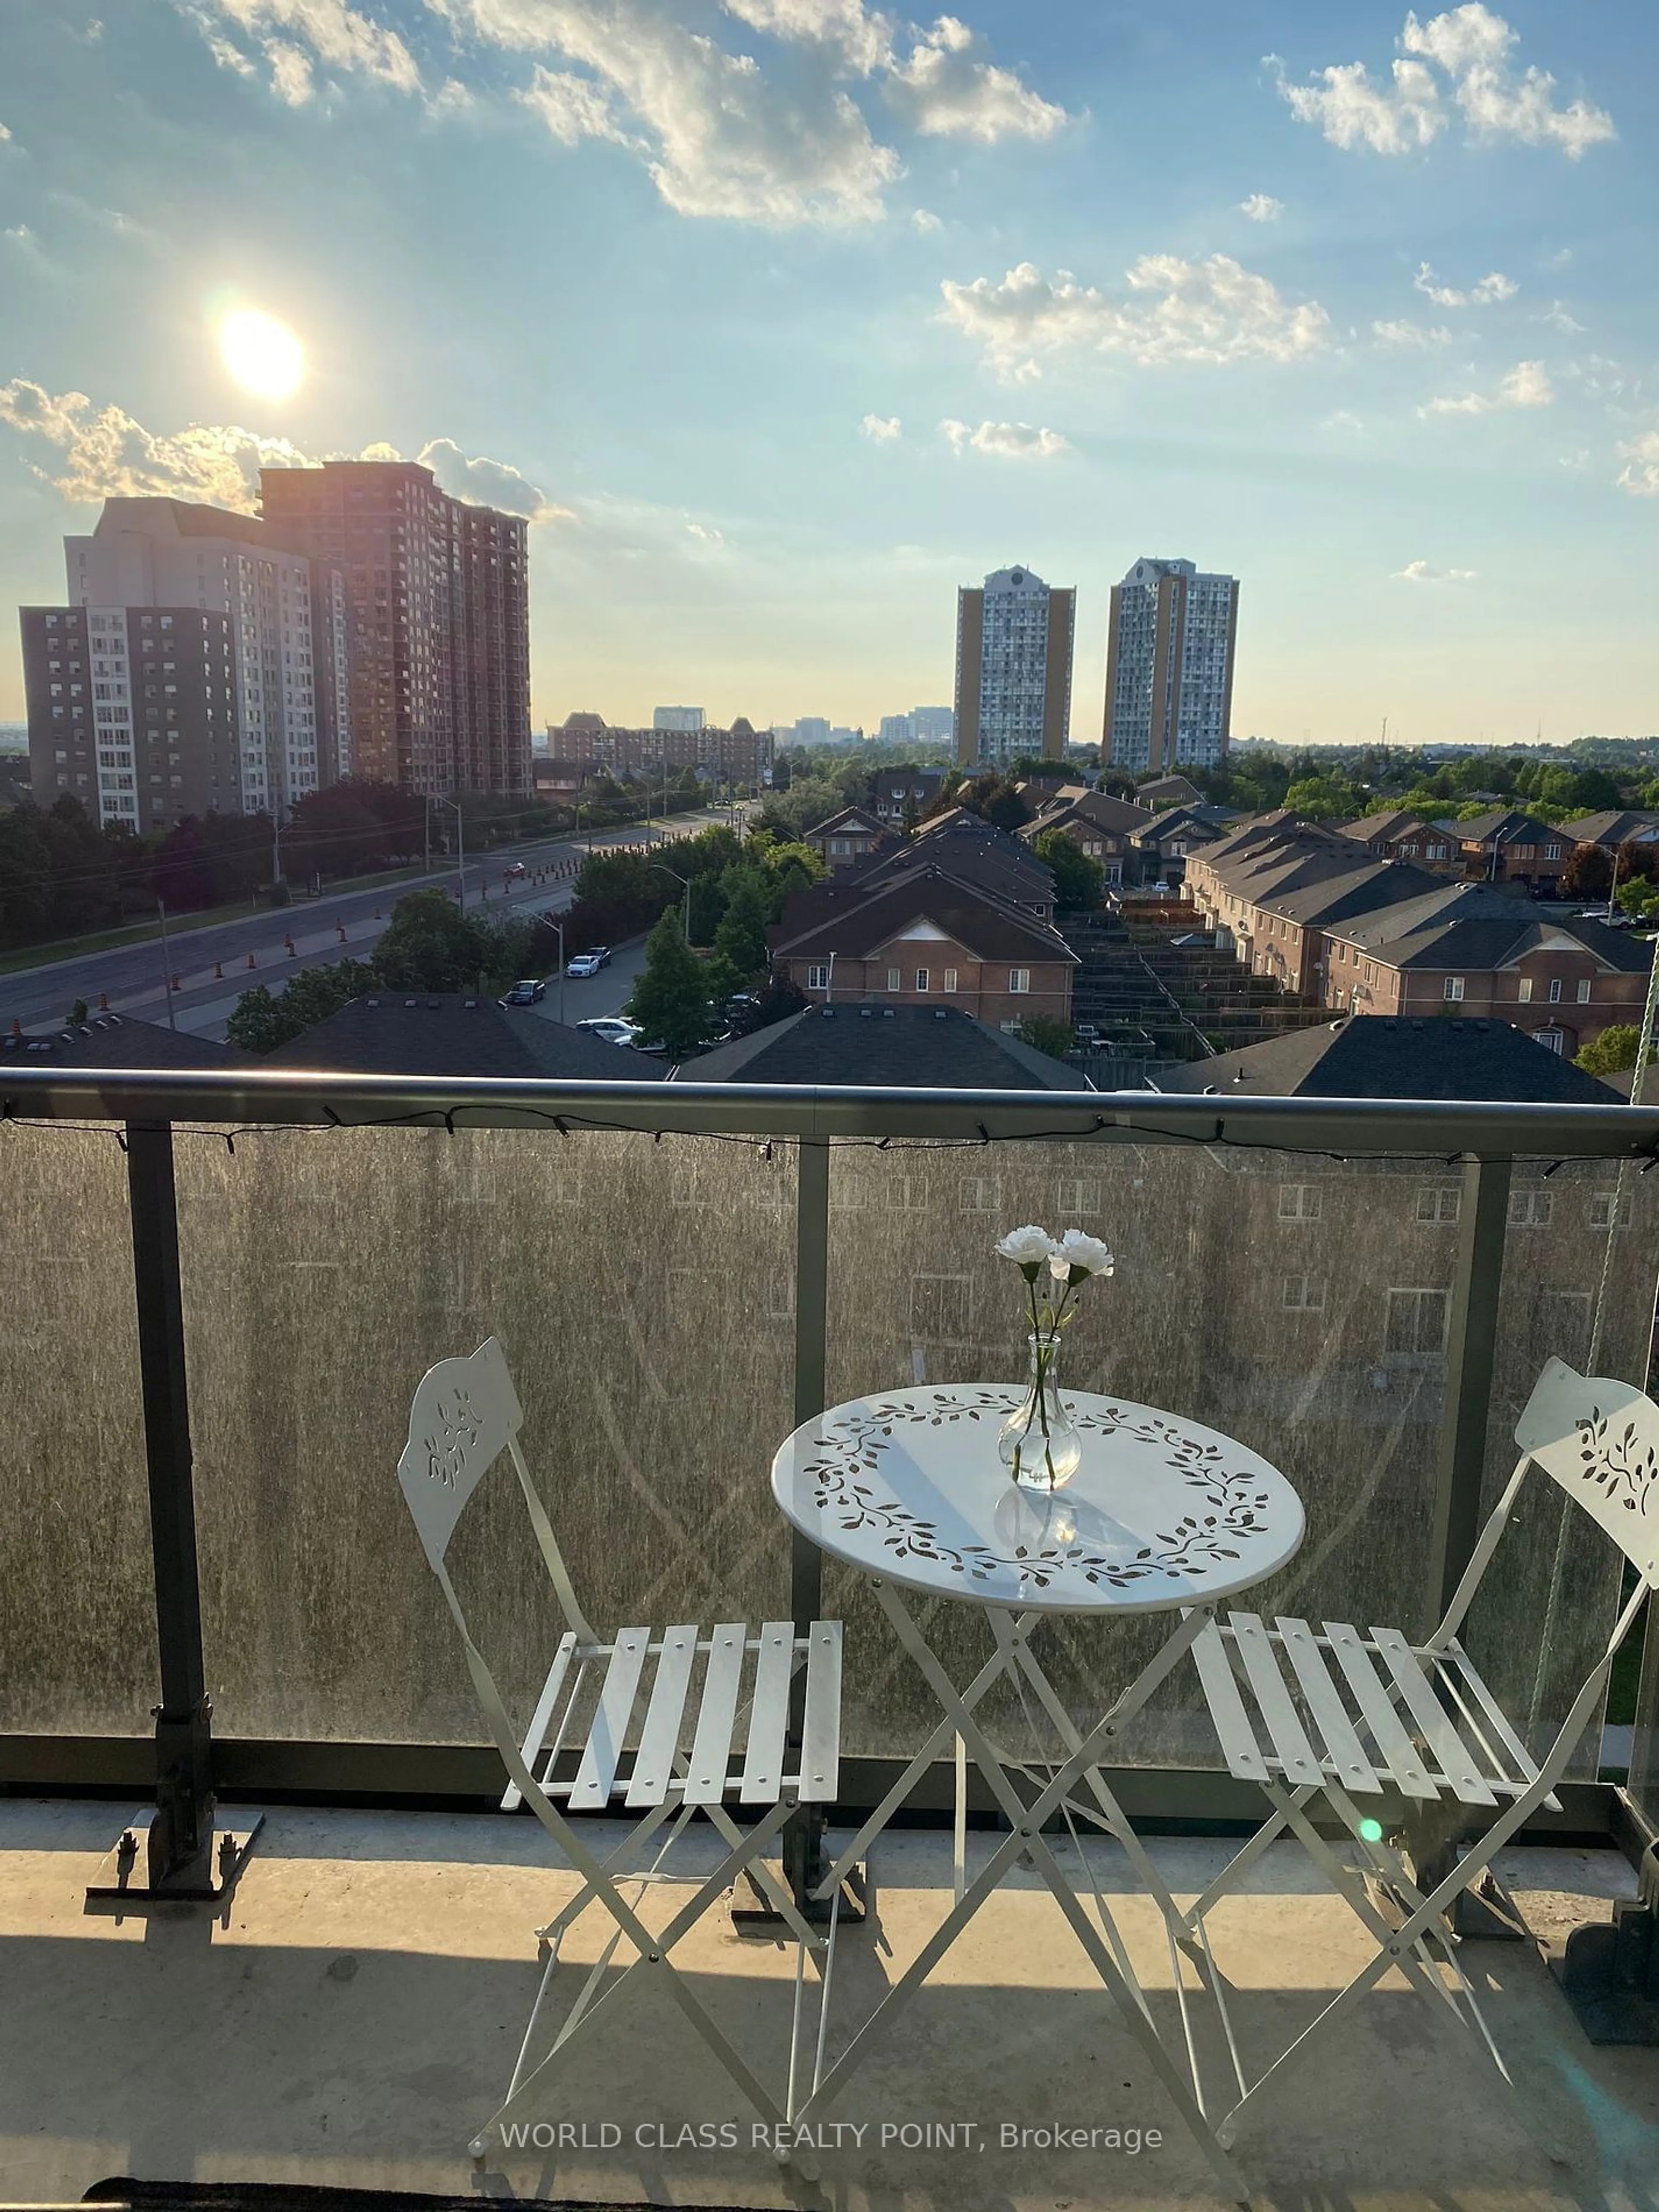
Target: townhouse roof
449,1033
1506,824
1612,826
854,819
105,1040
866,916
1391,821
939,1048
1474,927
1378,885
1180,788
1098,809
1386,1056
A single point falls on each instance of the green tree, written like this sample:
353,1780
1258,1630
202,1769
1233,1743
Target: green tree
264,1020
995,800
1044,1034
1078,879
740,940
1613,1050
1326,798
670,998
1639,897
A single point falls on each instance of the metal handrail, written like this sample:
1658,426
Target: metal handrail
1496,1129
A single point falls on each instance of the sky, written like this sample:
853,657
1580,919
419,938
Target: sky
783,319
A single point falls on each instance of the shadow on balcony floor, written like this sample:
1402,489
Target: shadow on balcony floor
354,2017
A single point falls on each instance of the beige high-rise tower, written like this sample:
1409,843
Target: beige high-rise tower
1013,668
1170,668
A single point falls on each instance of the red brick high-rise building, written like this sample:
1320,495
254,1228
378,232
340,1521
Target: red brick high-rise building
438,620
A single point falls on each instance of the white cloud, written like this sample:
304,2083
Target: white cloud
1351,424
1486,294
883,429
1473,46
293,34
484,482
1406,333
573,108
290,72
1473,49
103,454
1261,207
719,137
1640,474
1353,111
863,41
1012,441
1559,319
4,134
1527,384
1420,572
1173,311
925,220
947,90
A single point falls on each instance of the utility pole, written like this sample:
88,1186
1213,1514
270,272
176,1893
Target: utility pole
167,962
460,841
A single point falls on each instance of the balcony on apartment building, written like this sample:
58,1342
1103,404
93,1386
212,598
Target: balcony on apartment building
224,1287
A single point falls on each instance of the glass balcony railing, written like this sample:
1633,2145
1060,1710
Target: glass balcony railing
1363,1294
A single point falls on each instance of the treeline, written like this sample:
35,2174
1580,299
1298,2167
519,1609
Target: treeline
62,875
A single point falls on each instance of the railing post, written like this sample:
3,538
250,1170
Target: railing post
803,1838
180,1860
1471,1344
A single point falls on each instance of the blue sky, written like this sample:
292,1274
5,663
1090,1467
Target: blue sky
785,317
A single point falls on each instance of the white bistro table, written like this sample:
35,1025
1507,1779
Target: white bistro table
1163,1515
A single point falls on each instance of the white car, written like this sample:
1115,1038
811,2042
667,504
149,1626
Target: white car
587,964
611,1028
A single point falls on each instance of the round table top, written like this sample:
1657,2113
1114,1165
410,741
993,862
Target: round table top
1162,1511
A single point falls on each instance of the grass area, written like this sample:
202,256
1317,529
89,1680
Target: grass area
135,933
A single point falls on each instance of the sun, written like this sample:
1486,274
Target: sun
263,355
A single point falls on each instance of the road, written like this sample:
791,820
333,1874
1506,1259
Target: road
216,964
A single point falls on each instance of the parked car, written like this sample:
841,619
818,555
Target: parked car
611,1028
526,992
515,869
588,963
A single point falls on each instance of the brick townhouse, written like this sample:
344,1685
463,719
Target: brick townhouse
1100,826
845,838
924,937
1273,888
1477,950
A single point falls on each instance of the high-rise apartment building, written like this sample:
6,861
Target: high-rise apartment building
677,718
438,620
932,725
208,666
1170,667
1013,668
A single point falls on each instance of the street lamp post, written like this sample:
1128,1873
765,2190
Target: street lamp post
679,879
460,839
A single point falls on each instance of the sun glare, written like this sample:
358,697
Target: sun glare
263,355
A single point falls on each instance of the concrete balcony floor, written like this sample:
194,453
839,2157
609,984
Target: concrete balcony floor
352,2017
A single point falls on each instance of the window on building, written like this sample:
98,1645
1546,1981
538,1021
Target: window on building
1078,1194
895,980
1525,990
1583,990
949,979
921,979
1529,1209
1416,1323
941,1309
817,976
1299,1201
1439,1202
1304,1293
1019,981
1610,1210
1555,990
981,1194
1453,986
1552,852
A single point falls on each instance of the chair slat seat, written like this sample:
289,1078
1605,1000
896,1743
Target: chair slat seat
1427,1725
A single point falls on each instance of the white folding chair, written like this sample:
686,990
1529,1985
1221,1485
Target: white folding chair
1372,1719
465,1413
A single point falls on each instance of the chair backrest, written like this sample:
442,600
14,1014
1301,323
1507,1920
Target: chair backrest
465,1412
1599,1440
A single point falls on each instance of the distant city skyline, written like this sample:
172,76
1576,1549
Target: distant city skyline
864,308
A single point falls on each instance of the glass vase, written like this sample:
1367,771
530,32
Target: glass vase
1038,1443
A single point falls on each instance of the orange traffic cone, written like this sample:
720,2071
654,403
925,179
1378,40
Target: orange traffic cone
288,941
175,985
103,1002
251,962
218,972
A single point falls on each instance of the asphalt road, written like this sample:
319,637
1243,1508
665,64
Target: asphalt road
213,965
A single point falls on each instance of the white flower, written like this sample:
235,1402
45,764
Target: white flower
1027,1248
1077,1257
